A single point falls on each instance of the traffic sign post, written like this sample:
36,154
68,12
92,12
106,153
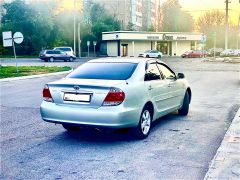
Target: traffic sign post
203,41
88,44
214,44
9,40
94,47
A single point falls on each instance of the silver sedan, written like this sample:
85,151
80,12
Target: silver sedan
116,93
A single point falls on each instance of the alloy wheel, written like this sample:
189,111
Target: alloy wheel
145,122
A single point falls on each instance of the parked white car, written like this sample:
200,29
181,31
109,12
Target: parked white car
236,52
68,50
151,54
227,52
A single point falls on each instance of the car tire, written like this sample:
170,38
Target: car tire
185,106
159,56
71,128
144,126
71,59
147,56
51,59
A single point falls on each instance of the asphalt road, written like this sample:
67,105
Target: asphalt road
177,148
39,62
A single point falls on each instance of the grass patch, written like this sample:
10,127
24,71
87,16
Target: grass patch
11,71
21,56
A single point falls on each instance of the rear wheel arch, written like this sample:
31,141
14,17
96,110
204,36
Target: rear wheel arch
189,93
144,121
150,107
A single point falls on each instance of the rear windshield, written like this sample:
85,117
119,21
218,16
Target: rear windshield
64,49
108,71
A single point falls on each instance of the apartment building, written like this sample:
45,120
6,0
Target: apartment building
133,14
150,11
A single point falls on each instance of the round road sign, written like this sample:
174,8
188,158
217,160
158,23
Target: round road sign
18,37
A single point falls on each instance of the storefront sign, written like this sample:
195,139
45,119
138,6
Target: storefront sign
167,37
153,37
181,38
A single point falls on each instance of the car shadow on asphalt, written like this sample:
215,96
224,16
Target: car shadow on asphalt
106,135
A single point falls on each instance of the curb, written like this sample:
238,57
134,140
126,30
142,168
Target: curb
226,162
34,76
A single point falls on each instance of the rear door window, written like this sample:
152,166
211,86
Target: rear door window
64,49
49,52
103,70
57,52
152,73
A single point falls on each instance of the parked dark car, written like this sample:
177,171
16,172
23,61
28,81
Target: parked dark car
217,51
194,54
52,55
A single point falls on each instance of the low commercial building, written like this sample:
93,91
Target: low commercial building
132,43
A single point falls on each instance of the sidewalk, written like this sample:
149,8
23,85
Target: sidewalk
226,163
224,59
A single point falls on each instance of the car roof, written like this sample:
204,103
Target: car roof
124,59
63,47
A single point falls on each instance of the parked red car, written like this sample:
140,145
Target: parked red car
193,54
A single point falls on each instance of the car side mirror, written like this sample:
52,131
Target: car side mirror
180,76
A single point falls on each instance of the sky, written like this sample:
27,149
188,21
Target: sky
198,7
195,7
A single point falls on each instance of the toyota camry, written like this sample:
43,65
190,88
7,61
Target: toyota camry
116,93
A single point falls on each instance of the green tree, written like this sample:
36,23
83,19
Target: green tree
34,26
44,26
174,19
130,27
101,21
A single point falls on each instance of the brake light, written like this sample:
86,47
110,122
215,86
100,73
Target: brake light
114,97
46,94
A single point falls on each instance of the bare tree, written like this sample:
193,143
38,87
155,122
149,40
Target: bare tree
209,20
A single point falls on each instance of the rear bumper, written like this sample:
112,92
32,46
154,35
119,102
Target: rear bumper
111,117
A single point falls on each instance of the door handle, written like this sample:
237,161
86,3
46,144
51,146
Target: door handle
150,88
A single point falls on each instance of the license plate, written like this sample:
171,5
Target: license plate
77,97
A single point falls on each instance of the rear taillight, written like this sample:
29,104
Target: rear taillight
46,94
114,97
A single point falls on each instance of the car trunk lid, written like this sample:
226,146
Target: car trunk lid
81,92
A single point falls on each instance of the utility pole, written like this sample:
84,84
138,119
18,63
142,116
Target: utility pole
226,23
238,31
158,16
79,41
74,27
